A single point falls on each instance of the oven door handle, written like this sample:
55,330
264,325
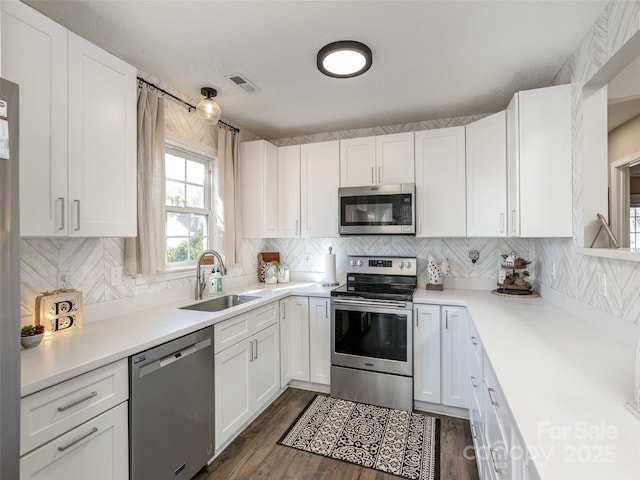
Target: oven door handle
368,303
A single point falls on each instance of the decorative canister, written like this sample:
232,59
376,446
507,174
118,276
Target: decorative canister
283,274
270,273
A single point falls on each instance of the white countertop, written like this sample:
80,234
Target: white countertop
557,372
99,343
565,380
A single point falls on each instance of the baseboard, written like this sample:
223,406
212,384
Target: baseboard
440,409
309,386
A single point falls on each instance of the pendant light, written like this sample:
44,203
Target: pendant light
208,109
344,59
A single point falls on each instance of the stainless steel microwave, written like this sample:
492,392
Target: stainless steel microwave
378,210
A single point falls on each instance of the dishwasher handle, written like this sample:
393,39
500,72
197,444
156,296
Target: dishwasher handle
174,357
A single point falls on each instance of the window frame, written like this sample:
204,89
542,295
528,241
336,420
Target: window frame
209,210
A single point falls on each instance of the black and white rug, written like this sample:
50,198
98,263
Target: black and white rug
393,441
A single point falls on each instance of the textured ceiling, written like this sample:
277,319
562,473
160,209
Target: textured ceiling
432,59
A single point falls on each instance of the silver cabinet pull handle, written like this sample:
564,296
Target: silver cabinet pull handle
372,179
256,349
284,311
494,402
415,312
61,200
446,319
251,351
73,404
474,434
474,340
326,309
501,222
77,202
493,460
474,382
513,220
78,440
379,174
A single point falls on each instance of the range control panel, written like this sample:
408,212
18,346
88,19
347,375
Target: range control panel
382,265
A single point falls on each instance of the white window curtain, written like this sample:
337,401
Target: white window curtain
229,184
145,254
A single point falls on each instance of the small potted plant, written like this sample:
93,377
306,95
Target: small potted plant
31,336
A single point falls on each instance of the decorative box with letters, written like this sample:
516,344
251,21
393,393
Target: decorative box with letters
59,311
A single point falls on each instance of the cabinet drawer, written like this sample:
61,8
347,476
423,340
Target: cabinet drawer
230,332
236,329
56,410
265,317
97,449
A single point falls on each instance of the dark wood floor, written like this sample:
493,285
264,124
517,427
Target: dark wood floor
255,454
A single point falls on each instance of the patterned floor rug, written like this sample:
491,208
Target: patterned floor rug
393,441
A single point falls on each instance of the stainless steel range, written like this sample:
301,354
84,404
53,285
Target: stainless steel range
372,334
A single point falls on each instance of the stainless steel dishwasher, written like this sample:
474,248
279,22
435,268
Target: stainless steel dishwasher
171,408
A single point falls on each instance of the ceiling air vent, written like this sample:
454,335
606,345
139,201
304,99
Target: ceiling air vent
243,83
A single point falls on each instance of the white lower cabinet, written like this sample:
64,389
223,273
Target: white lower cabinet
440,355
319,340
97,449
77,429
247,373
500,452
294,340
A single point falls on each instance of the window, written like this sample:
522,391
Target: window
634,228
188,177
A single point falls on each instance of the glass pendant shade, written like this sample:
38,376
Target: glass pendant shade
208,109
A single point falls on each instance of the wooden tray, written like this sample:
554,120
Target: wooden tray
515,293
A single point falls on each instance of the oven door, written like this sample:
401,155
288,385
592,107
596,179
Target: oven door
372,335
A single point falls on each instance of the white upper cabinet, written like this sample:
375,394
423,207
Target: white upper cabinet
358,162
383,159
102,142
440,182
539,163
259,177
320,176
77,129
34,55
289,191
487,176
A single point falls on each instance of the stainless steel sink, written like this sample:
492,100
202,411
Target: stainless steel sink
221,303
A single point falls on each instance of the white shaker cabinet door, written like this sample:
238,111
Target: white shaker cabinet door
97,449
259,176
358,162
234,389
487,176
320,340
289,191
294,339
455,363
426,353
440,182
102,142
34,55
320,173
266,366
395,161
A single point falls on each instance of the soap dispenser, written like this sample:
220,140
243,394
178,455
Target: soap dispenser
218,280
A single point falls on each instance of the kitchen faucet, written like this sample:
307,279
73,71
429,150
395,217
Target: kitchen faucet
200,281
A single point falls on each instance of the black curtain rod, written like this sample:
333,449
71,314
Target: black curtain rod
152,86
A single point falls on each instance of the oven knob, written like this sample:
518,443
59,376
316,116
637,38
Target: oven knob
408,264
352,263
359,263
401,265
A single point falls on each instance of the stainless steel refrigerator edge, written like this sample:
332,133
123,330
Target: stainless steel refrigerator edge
9,292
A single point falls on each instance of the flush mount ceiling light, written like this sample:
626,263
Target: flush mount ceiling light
344,59
208,109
